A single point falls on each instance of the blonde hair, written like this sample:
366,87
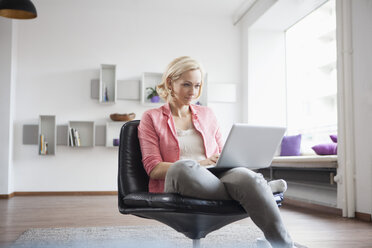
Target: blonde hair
174,72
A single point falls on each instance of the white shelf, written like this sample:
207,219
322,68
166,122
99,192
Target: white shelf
86,130
150,79
48,129
107,84
113,132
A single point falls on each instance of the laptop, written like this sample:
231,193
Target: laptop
249,146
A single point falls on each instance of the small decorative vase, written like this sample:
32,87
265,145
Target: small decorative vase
155,99
115,142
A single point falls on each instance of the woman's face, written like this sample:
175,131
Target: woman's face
187,87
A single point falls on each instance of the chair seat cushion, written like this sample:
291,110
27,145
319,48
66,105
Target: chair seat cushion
177,202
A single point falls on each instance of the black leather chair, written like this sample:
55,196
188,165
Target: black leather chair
195,218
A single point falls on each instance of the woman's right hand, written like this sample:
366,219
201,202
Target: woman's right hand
212,160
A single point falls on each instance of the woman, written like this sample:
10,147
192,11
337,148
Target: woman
178,139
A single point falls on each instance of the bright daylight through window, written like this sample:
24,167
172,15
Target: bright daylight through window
311,77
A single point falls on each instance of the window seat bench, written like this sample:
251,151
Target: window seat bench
311,161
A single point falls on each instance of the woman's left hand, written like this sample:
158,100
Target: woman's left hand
211,160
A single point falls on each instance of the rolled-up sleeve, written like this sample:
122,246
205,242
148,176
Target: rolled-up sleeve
217,135
149,143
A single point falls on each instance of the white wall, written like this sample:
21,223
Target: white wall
251,17
60,52
266,78
362,82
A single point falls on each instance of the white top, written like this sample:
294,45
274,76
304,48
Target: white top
191,144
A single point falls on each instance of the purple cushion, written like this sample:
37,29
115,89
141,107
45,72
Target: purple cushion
291,145
325,149
333,137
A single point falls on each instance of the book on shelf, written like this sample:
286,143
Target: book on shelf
77,138
74,137
43,148
71,137
40,143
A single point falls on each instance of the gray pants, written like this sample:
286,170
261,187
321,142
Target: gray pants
250,189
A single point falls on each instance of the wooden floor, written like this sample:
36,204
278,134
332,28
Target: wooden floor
310,228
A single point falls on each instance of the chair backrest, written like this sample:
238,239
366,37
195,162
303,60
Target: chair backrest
132,177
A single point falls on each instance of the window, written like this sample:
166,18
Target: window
311,83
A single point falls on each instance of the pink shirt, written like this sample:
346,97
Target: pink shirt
159,143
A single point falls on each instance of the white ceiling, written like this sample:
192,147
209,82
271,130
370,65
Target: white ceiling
218,7
194,7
